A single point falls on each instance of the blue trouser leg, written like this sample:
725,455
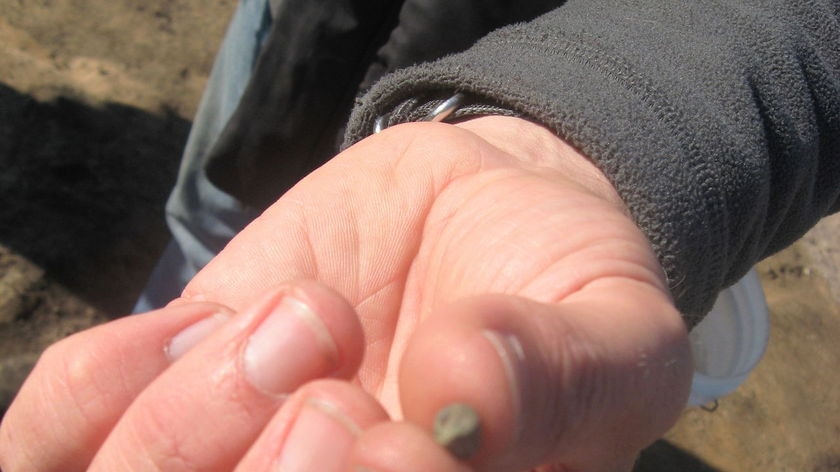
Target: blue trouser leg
202,218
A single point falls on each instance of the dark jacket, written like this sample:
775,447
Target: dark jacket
717,121
319,56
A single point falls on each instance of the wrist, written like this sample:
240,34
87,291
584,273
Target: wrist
536,147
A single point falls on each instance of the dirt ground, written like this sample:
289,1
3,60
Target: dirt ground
96,99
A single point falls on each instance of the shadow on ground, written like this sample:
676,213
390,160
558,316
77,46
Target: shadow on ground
82,191
663,456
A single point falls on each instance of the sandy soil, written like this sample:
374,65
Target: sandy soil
95,103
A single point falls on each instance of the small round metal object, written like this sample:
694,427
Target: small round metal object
458,429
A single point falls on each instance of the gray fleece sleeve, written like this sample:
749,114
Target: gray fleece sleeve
717,121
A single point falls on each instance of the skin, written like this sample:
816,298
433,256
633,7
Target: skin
486,263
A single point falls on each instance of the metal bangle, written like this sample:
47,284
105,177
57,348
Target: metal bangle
440,113
448,107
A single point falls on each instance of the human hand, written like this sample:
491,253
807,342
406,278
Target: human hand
488,263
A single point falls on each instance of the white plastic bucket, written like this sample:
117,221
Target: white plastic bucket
730,341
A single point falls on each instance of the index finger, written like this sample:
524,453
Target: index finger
82,385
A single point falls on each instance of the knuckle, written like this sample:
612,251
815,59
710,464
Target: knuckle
164,446
70,376
579,387
585,383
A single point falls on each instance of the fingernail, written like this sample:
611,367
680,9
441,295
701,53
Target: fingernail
512,356
291,346
193,334
320,439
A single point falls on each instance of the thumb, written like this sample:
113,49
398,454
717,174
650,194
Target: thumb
584,384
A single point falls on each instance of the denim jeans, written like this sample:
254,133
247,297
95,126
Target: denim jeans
202,218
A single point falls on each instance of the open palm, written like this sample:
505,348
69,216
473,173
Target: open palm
488,263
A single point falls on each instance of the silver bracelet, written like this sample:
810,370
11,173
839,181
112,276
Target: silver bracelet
440,113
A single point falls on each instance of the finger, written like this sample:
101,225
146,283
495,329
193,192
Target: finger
586,383
209,406
315,429
330,425
400,447
83,384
